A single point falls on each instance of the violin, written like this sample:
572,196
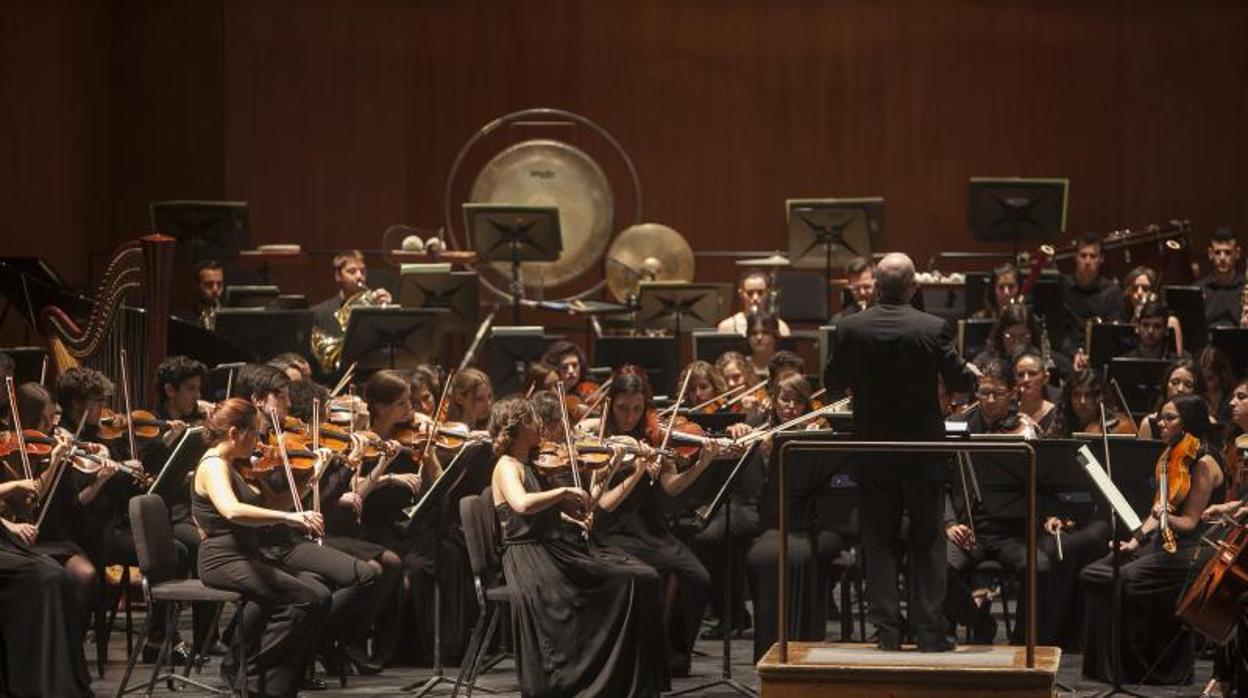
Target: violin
447,435
332,437
552,458
1174,481
37,444
90,463
1117,425
112,426
268,458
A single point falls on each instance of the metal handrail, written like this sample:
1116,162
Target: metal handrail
921,447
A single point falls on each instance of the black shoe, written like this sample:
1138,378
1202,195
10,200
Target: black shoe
680,665
361,662
312,683
936,643
984,628
179,654
218,649
888,640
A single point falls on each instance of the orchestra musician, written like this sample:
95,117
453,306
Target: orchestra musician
351,277
287,606
812,546
889,356
1086,294
581,625
630,513
1004,291
860,277
1032,379
1150,330
705,382
40,622
293,365
1181,377
570,362
1139,287
1219,378
350,581
763,337
1155,647
209,285
753,290
737,373
1223,287
1078,408
426,385
469,400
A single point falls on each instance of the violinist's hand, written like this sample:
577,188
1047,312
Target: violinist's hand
382,296
574,497
309,521
409,480
961,535
106,471
1053,524
1239,513
95,449
1126,546
24,487
323,457
64,446
352,501
582,524
1080,361
1216,511
750,404
26,533
176,428
738,430
391,448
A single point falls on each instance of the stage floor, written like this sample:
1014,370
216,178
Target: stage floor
706,667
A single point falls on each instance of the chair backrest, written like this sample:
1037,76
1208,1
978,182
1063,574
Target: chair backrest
153,538
477,519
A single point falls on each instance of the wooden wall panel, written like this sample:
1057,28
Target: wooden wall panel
337,118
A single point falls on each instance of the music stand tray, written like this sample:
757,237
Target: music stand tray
181,461
826,233
392,337
513,234
659,356
1111,339
1140,380
266,331
205,229
1013,209
508,353
1232,341
436,286
1188,305
677,306
250,297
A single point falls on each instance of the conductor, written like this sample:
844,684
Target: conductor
890,357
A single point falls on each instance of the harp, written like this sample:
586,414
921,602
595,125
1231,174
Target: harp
112,324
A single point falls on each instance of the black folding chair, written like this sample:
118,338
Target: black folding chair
158,561
493,595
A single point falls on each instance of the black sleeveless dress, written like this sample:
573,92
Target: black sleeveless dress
582,624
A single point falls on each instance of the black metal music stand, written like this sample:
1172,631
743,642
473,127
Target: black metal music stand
659,356
1187,303
266,332
1110,339
263,296
508,353
1232,341
1014,210
391,337
441,488
435,286
721,500
513,234
184,457
204,229
677,306
830,232
1140,380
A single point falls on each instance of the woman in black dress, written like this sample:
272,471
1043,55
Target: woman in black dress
40,628
1155,648
630,512
581,624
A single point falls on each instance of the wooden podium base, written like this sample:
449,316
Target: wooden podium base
840,669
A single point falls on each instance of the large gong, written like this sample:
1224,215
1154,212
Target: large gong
553,173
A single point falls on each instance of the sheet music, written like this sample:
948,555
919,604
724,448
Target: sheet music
1102,481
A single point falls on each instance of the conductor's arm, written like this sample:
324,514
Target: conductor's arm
956,371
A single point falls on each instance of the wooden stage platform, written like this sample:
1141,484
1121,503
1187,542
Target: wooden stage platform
860,670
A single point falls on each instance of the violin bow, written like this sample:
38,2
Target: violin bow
347,375
125,396
482,330
680,397
229,384
57,476
571,445
740,396
316,447
43,371
437,417
290,476
11,388
1113,382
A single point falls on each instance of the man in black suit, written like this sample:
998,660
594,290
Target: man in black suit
890,357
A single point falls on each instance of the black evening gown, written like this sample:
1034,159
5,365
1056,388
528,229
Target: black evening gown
40,631
582,624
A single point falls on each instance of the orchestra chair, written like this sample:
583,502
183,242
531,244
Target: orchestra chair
847,569
158,561
106,614
477,515
993,570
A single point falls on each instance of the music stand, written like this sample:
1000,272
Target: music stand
1046,299
513,234
204,229
265,331
27,363
975,334
1187,303
830,232
508,353
1111,339
1140,380
1134,467
190,339
436,286
390,337
677,306
1232,341
659,356
714,422
250,296
1013,209
181,461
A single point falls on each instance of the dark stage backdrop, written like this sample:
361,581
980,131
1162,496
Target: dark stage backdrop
338,118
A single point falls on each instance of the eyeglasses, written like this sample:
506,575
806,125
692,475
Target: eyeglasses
984,394
1025,334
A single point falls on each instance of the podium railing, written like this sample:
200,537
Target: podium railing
914,447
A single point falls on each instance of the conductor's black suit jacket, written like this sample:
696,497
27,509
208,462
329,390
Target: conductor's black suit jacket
890,356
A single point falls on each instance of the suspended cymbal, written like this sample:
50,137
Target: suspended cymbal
647,252
774,261
545,172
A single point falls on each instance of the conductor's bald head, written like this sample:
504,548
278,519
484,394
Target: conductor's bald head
894,278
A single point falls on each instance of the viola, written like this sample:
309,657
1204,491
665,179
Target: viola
1174,481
